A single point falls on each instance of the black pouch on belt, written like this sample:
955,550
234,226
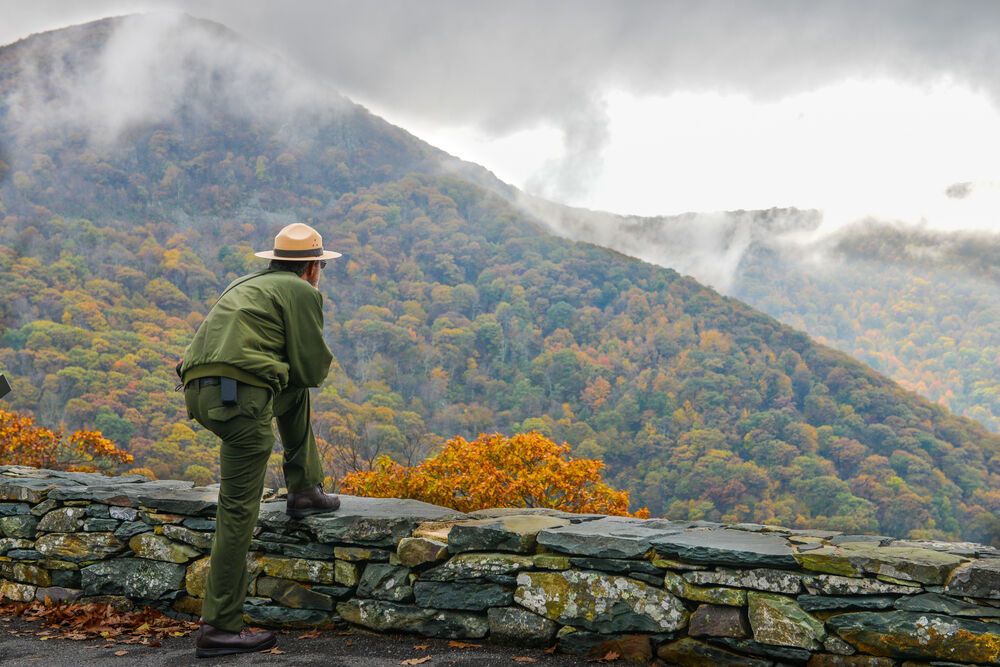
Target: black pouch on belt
227,391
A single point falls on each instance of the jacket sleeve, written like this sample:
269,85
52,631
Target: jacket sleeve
308,356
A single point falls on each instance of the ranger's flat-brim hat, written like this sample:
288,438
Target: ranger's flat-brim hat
298,243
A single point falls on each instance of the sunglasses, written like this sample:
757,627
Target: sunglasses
322,263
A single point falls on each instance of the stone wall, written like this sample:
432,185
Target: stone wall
690,592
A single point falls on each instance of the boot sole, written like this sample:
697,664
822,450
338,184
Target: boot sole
218,652
301,514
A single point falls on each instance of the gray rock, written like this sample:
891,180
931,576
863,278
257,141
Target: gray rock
200,523
23,554
130,529
942,604
13,509
610,537
29,489
379,522
967,549
497,568
978,579
62,520
784,654
689,651
920,636
188,536
257,611
779,620
99,525
516,533
495,512
727,547
9,543
120,495
417,551
832,584
574,641
307,550
519,627
78,547
619,566
133,577
830,603
98,511
57,594
293,594
18,525
710,620
880,540
44,507
467,596
123,513
65,578
759,579
380,615
25,573
599,602
197,501
386,582
338,593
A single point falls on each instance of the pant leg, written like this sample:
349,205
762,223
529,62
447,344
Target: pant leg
302,467
247,441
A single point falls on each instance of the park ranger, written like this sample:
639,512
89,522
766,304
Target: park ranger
252,360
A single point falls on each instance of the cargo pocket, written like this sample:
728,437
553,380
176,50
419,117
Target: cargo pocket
223,413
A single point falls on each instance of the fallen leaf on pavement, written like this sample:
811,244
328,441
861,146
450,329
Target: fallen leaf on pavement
610,656
273,651
415,661
121,653
552,649
421,647
455,644
312,634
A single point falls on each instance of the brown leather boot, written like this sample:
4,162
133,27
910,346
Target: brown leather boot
307,502
212,642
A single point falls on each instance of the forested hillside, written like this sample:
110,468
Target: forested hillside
451,313
919,305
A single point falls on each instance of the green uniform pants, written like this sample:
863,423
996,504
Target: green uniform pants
247,441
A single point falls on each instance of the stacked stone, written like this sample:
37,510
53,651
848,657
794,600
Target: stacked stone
691,593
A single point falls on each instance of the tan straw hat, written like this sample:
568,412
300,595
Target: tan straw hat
298,243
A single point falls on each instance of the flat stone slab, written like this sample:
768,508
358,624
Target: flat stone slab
610,537
119,495
978,579
728,547
379,522
599,602
921,636
382,616
943,604
759,579
516,533
923,566
497,512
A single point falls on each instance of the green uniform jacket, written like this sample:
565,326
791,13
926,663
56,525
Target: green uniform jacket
266,331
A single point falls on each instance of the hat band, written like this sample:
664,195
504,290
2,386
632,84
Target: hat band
311,252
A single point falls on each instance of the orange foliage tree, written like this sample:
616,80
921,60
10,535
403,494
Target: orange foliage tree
24,443
526,470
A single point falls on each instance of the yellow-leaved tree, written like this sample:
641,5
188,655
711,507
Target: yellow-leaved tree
525,470
24,443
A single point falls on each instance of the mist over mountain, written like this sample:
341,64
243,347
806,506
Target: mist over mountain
145,158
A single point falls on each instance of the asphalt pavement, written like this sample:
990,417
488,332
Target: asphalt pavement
329,649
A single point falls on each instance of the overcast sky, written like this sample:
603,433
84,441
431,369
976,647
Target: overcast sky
857,108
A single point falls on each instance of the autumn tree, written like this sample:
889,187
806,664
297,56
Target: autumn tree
24,443
525,470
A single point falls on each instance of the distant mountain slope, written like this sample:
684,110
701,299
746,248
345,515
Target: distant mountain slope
452,312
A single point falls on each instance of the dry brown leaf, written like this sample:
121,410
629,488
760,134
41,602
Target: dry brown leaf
455,644
312,634
121,653
415,661
421,647
610,656
274,650
551,650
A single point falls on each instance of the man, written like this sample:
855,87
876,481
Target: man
253,359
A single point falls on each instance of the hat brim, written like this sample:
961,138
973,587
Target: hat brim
269,254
